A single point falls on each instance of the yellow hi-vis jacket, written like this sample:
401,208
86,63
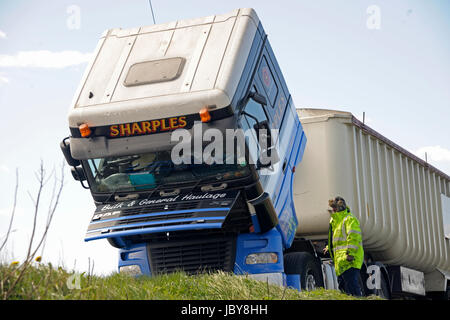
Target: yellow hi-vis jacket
344,238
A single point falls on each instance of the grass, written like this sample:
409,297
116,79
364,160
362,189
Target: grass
49,283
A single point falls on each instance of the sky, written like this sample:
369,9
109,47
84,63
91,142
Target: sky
389,59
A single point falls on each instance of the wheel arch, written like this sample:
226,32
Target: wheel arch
306,246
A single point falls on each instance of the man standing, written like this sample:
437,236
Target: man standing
345,246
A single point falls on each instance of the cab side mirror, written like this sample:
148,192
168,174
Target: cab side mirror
78,174
268,153
77,171
65,148
263,135
262,125
258,98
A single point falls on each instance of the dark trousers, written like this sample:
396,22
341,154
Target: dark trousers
350,282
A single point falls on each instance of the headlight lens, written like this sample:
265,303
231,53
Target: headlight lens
133,270
259,258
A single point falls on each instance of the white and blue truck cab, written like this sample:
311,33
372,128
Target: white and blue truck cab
143,85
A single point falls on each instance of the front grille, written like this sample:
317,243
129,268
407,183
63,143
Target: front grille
193,256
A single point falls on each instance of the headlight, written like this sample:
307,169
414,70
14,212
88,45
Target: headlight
133,270
258,258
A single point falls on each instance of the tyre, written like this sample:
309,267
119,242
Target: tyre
304,264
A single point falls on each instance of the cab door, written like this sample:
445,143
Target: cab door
268,84
289,143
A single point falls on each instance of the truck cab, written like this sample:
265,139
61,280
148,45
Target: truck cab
171,129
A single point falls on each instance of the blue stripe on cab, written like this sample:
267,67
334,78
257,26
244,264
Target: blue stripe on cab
160,213
156,229
141,224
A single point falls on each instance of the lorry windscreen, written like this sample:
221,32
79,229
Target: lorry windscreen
150,170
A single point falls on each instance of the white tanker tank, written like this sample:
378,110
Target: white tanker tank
402,202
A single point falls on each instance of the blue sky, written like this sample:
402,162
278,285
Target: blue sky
399,74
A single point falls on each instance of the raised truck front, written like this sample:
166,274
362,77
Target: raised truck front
145,84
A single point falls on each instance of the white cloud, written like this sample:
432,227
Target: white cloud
2,35
4,168
434,153
44,59
3,80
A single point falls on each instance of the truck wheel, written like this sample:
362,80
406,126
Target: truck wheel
304,264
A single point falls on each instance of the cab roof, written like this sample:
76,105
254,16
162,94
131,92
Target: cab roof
164,70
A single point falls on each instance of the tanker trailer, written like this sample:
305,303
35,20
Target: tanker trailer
401,201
